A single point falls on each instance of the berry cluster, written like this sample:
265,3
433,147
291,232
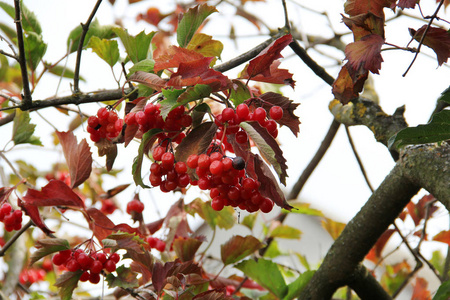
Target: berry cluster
166,173
135,206
30,276
11,218
106,124
150,118
91,264
156,243
228,185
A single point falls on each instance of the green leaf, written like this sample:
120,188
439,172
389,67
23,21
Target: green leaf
296,287
268,147
191,21
273,250
138,46
239,92
170,101
198,113
47,246
62,71
304,209
148,138
249,220
67,282
185,248
436,131
125,278
223,219
95,29
34,49
303,261
286,232
445,95
443,292
266,273
9,32
145,65
108,50
199,91
29,21
23,130
239,247
9,9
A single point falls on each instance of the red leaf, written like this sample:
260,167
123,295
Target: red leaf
174,56
148,79
365,53
100,224
375,253
275,75
443,236
437,39
108,148
420,291
5,193
365,24
55,193
418,211
35,216
407,3
357,7
78,157
261,63
348,84
155,226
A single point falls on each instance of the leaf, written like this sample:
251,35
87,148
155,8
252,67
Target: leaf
125,278
212,295
357,7
424,208
269,187
171,100
239,247
266,273
445,95
436,38
197,141
273,250
443,237
174,56
108,148
191,21
239,92
366,53
95,29
297,286
348,84
138,46
289,119
443,292
223,219
437,130
286,232
108,50
420,289
147,139
364,25
28,19
142,263
63,71
332,227
199,91
78,157
268,147
23,130
99,223
305,209
205,45
407,3
249,220
124,240
55,193
186,248
148,79
48,246
35,49
145,65
379,246
276,75
9,32
67,282
261,63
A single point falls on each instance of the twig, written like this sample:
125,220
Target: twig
9,55
358,159
27,101
286,17
434,16
85,27
11,241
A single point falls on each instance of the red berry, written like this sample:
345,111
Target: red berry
241,137
94,277
167,160
249,184
242,111
72,265
276,112
112,116
204,161
160,246
185,121
6,208
227,114
155,180
183,180
152,241
85,261
158,153
59,259
103,114
204,183
96,267
180,167
110,266
135,206
192,161
266,205
216,167
217,203
93,121
215,156
271,125
259,114
130,118
115,257
227,163
85,276
101,257
238,163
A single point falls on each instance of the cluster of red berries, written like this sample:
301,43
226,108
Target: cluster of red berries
11,218
135,206
156,243
150,118
91,264
228,185
106,124
30,276
166,173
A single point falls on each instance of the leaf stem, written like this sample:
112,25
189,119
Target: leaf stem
11,241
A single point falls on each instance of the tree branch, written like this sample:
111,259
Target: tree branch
26,102
85,27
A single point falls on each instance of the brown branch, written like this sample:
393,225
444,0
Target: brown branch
85,27
26,102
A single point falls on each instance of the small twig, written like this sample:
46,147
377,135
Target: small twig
85,27
27,101
15,237
286,17
10,45
130,85
358,159
434,16
9,55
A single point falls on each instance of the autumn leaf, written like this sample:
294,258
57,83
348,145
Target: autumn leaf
48,246
238,247
125,278
148,79
348,84
197,141
78,157
332,227
420,291
276,75
407,3
124,240
357,7
99,223
437,39
261,63
174,56
375,253
443,236
205,45
67,282
365,53
186,248
365,24
108,148
55,193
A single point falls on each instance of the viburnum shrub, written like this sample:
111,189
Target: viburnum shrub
208,140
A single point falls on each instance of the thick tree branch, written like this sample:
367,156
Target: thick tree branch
26,101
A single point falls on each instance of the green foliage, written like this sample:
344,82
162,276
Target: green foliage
23,130
137,47
95,29
108,50
34,49
239,247
125,278
443,292
147,140
145,65
191,21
